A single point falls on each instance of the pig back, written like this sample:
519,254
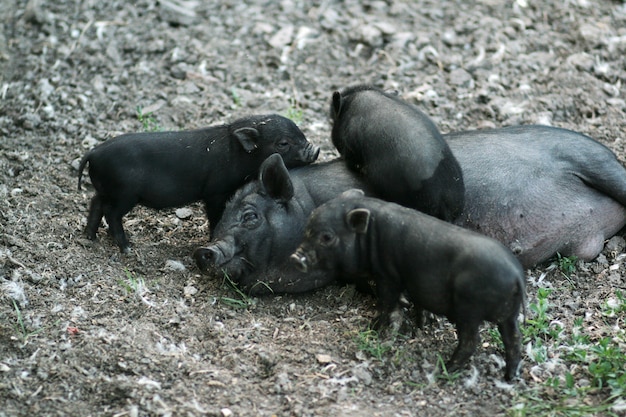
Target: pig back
325,181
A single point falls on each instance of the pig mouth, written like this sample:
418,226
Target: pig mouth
310,153
304,261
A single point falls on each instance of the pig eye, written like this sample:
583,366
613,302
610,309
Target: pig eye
326,238
249,216
283,144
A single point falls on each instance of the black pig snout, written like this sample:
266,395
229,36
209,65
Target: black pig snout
310,153
301,260
214,255
205,257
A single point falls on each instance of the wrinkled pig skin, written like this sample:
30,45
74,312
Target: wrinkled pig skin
445,269
263,223
398,150
541,190
171,169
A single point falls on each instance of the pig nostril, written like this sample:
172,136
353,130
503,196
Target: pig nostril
204,255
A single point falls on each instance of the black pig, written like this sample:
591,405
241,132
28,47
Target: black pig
172,169
398,150
445,269
263,223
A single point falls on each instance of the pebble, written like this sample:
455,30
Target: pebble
461,78
283,383
184,213
172,265
323,358
593,33
616,245
89,142
180,13
370,35
581,61
190,291
282,38
45,88
362,374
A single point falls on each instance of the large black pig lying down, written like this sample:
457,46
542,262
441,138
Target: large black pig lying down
445,269
538,190
171,169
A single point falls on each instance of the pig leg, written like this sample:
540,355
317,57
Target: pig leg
113,212
512,339
419,316
467,330
388,301
214,208
95,217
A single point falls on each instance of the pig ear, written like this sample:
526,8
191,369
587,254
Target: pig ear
353,193
336,105
358,220
275,179
247,137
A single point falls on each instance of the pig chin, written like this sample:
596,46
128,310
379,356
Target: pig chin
236,269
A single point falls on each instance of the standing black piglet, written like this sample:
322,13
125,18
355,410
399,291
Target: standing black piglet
444,269
398,150
171,169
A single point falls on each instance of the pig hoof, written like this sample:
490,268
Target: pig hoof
450,368
378,324
511,373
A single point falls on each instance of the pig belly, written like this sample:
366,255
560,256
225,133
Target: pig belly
536,227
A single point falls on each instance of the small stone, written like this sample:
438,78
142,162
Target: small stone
45,88
179,71
89,142
371,35
581,61
543,118
386,28
226,412
617,102
362,374
323,358
283,383
184,213
282,38
190,291
594,33
461,78
178,12
172,265
75,164
616,245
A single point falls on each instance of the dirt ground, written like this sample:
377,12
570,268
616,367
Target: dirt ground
87,331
